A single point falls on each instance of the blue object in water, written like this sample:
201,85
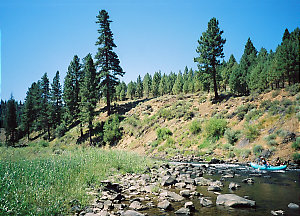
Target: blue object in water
265,167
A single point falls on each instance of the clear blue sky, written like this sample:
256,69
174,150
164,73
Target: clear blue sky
43,35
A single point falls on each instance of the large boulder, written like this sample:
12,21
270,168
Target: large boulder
293,206
168,180
183,212
136,205
166,205
171,195
232,200
205,202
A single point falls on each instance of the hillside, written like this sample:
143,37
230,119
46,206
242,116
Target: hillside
239,128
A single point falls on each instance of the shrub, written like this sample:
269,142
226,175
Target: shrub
195,127
61,130
215,128
293,89
231,154
43,143
296,144
163,133
270,137
232,136
205,144
253,114
243,110
296,157
227,146
165,114
251,132
245,153
111,130
272,143
257,150
275,93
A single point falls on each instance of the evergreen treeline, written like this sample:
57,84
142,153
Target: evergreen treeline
52,108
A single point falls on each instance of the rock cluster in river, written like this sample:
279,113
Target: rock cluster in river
161,187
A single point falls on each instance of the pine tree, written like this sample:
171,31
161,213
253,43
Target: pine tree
123,91
88,94
71,89
210,49
56,100
147,83
227,70
36,92
107,60
155,83
162,85
257,80
28,113
11,120
45,105
178,85
139,87
239,79
131,89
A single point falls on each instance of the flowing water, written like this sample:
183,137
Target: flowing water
271,191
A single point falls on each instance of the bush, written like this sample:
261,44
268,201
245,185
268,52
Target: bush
61,129
227,146
231,154
215,128
111,130
275,93
253,115
163,133
296,144
296,158
251,132
245,153
270,137
195,127
243,110
165,114
205,144
257,150
293,89
272,143
232,136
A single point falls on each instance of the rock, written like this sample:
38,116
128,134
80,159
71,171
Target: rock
248,180
205,202
277,212
109,186
108,205
180,185
233,186
189,205
243,143
132,213
183,211
171,195
185,193
232,200
293,206
166,205
289,137
214,188
103,213
229,175
168,180
215,161
202,181
136,205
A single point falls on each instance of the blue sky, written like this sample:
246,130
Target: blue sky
43,36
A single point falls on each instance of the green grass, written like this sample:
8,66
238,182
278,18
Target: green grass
34,181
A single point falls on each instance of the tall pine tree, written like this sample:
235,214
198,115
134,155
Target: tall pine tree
210,49
107,60
56,100
11,121
88,93
45,117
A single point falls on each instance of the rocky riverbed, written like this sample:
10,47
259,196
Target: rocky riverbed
183,189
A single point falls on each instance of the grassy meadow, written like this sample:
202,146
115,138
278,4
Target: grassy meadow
39,181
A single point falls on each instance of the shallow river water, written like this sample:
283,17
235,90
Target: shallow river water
270,191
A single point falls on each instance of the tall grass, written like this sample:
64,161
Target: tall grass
46,184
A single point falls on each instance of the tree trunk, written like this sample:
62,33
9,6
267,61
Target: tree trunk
215,83
48,132
108,96
28,133
90,131
81,131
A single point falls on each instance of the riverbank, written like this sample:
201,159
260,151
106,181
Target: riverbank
193,189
